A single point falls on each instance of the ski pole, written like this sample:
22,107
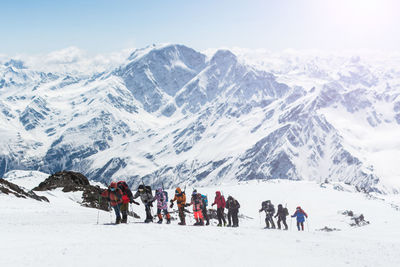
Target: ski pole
308,228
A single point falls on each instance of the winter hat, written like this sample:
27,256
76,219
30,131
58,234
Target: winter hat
141,187
194,192
113,185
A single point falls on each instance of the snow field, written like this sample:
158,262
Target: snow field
63,233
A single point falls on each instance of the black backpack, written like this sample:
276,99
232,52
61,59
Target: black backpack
123,186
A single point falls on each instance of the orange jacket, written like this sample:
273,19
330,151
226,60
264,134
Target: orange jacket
180,198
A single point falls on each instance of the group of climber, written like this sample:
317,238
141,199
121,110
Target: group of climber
281,213
119,195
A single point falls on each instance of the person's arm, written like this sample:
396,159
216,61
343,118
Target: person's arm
137,194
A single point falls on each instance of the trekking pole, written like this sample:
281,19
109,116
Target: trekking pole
291,223
110,209
308,228
98,210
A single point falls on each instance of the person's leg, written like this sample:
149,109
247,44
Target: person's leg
279,223
302,226
160,218
124,211
182,215
223,216
235,218
117,213
267,222
219,215
166,214
284,223
149,218
229,218
298,226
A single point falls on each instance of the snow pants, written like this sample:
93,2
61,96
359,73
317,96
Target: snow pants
221,216
124,210
233,217
117,211
166,214
283,220
300,224
269,220
198,215
181,210
149,217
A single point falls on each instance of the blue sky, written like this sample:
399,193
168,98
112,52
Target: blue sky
110,25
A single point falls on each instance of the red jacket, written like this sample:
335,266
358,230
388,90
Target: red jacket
114,197
219,200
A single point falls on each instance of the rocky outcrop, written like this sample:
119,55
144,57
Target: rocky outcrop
71,182
13,189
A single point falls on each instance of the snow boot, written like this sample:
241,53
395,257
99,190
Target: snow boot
197,222
159,222
160,219
219,225
201,222
229,225
168,221
124,218
118,221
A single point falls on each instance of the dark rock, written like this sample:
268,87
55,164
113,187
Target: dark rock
73,181
327,229
10,188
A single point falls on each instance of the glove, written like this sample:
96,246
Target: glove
131,201
137,203
172,205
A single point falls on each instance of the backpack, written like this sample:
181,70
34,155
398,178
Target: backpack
205,200
166,195
286,212
148,189
264,204
123,186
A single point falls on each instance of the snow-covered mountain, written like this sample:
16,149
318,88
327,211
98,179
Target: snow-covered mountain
170,114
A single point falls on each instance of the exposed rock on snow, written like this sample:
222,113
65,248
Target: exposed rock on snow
71,182
10,188
328,229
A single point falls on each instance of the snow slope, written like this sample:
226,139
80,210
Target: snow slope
63,233
168,114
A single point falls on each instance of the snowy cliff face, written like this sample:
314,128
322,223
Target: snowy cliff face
171,115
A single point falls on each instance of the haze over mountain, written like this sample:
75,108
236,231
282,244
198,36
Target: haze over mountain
169,114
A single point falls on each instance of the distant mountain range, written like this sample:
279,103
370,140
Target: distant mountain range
171,115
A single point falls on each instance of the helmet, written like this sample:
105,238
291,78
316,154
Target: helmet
194,192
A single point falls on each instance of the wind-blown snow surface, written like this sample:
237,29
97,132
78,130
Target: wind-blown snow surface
63,233
170,114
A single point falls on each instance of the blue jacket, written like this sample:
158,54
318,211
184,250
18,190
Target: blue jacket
300,214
